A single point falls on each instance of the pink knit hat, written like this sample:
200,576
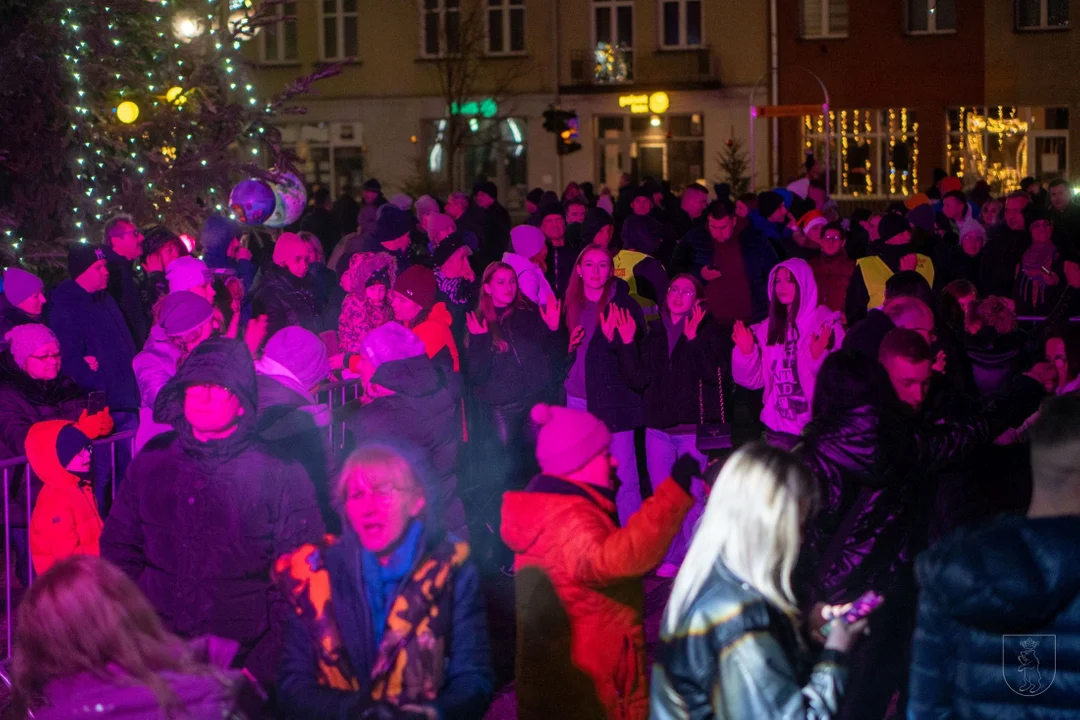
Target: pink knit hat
568,439
287,246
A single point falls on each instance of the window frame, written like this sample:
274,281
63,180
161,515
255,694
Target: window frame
507,9
1044,18
828,34
443,11
613,10
280,12
339,15
931,20
887,127
683,44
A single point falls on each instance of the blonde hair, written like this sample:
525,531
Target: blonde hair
315,244
752,524
377,465
86,616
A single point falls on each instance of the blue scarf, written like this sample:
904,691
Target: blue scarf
381,582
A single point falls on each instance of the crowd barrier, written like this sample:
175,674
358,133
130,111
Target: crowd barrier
19,481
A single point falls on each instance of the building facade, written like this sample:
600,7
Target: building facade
983,89
658,86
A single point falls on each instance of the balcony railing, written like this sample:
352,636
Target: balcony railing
622,66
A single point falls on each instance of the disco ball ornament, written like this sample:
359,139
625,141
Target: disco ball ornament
252,201
291,199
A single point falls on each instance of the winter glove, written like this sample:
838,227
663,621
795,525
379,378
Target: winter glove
684,471
97,425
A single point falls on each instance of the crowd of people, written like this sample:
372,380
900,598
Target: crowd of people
778,407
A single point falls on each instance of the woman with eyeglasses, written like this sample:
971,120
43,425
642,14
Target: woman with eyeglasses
833,268
680,368
389,619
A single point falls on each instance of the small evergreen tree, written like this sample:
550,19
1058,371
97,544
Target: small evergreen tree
733,165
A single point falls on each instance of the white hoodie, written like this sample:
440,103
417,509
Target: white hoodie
531,280
788,393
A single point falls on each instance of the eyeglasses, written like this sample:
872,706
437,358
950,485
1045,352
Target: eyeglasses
682,293
835,237
46,358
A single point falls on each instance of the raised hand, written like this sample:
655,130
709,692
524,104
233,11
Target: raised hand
576,337
743,338
255,333
693,322
551,313
821,339
92,362
1072,274
608,322
909,262
709,274
475,325
627,326
939,363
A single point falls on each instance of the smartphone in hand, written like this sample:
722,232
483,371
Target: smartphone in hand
95,402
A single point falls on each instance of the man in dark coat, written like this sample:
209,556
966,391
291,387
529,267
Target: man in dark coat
1012,588
160,249
206,509
878,466
123,246
96,346
468,217
496,223
347,211
1005,246
413,403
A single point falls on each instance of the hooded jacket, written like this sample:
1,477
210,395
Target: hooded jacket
1013,577
531,280
65,520
197,525
25,401
286,300
93,326
784,410
580,633
423,413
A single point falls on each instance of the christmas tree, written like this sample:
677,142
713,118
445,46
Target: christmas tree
733,166
135,106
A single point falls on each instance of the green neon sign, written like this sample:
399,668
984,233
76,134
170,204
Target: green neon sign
485,108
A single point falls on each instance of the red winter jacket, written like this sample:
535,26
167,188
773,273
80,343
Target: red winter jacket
580,635
65,519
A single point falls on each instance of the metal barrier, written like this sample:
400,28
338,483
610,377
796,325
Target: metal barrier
337,395
19,466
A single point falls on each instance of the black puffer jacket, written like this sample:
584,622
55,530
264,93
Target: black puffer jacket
983,592
423,413
610,396
286,300
678,386
877,473
25,401
528,372
197,525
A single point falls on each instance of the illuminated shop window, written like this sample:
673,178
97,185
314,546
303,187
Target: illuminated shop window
873,153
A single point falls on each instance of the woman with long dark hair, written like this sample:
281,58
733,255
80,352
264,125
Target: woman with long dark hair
514,351
680,368
87,638
596,302
783,353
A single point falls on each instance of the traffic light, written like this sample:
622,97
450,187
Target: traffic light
564,124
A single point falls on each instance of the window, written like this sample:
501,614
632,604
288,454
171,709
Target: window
870,152
278,43
931,16
613,23
441,27
1042,14
1003,144
824,18
506,27
339,29
671,147
680,23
